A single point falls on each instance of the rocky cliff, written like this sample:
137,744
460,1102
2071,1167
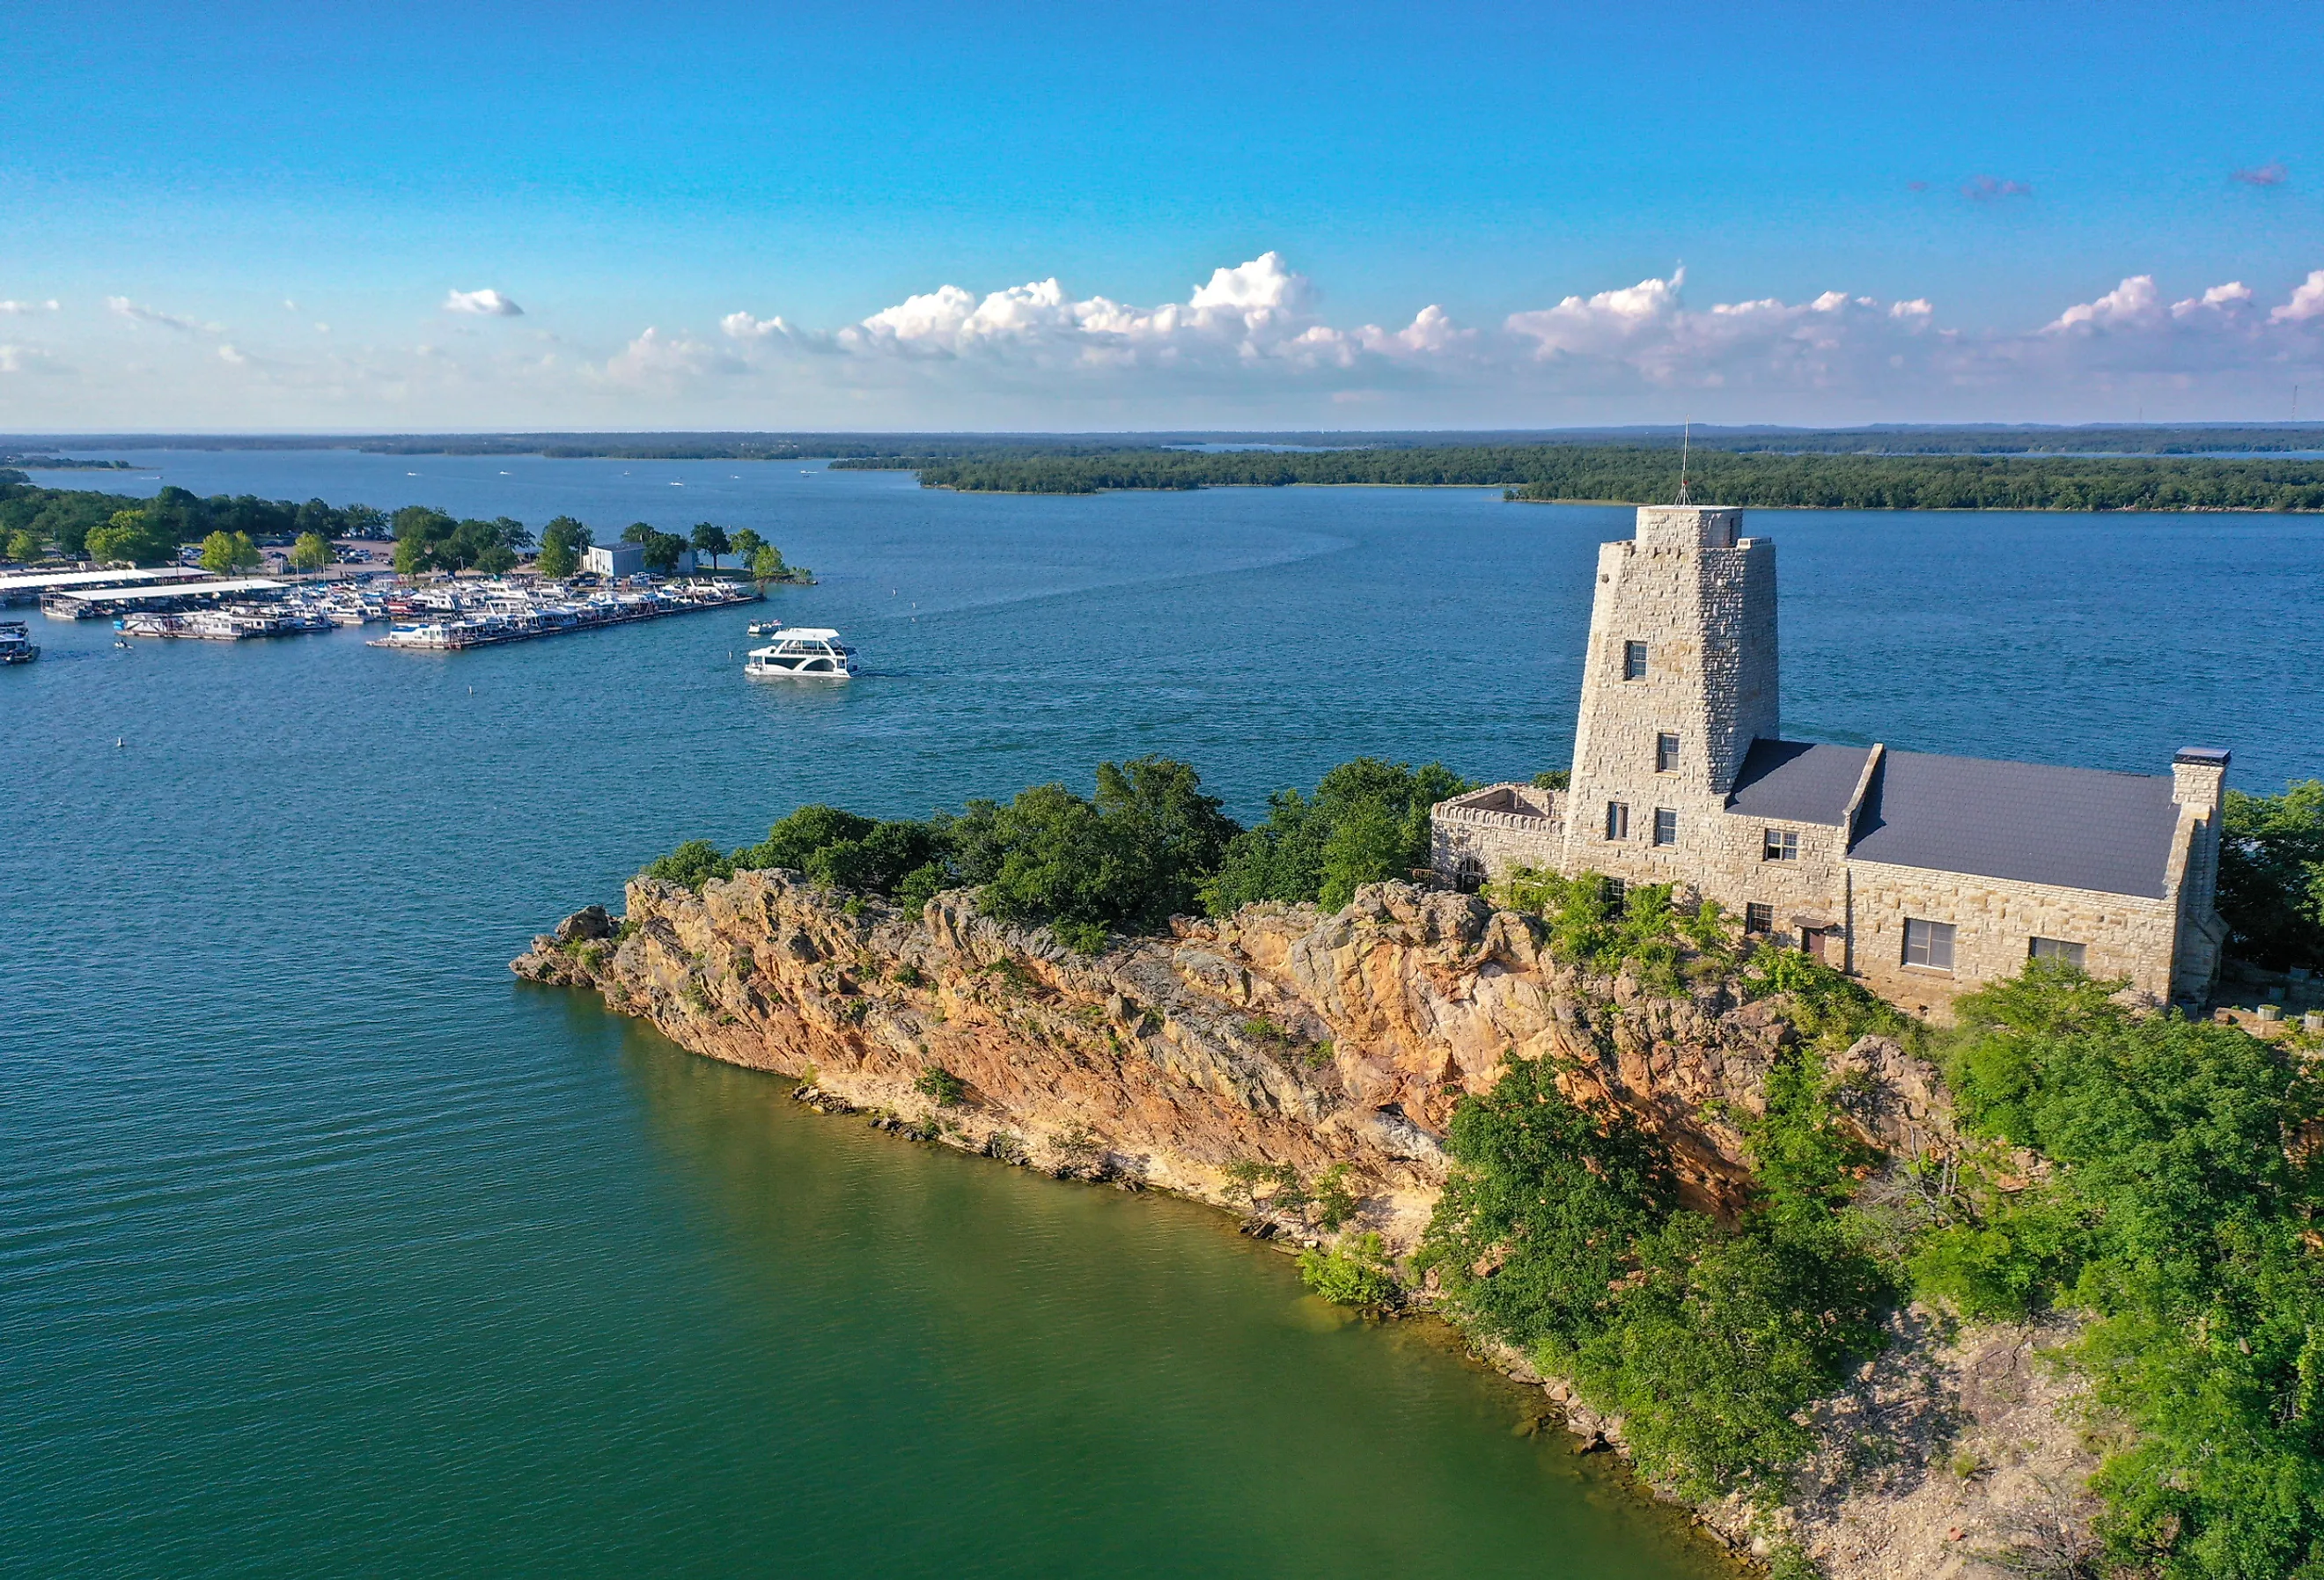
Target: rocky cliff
1233,1057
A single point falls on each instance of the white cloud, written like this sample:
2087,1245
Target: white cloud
1252,344
27,359
2307,302
2133,304
743,326
125,307
656,359
488,303
49,306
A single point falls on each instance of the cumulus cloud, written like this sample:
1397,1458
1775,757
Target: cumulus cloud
1254,342
123,307
27,359
12,308
2270,174
1993,189
487,303
654,359
1258,325
2307,301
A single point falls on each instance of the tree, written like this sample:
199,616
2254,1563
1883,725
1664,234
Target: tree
230,553
745,544
767,562
311,552
661,551
25,544
422,534
711,539
137,536
562,544
638,533
2271,875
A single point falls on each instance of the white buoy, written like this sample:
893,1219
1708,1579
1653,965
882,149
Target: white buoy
118,743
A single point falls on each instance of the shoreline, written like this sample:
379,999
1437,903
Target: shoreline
1307,1041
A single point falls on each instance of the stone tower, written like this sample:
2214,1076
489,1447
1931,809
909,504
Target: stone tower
1678,681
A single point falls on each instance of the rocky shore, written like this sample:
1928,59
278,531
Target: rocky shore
1282,1043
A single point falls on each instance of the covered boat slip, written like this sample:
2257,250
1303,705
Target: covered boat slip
30,587
96,602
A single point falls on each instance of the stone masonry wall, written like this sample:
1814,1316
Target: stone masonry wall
1995,920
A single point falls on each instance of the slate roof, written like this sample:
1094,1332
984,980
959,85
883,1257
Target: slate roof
2073,828
1798,782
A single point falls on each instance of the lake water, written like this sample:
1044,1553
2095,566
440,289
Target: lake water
327,1247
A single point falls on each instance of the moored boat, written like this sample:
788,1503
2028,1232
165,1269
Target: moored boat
16,643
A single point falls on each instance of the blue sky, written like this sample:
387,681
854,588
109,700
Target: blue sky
654,187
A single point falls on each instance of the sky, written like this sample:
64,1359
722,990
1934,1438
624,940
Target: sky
429,217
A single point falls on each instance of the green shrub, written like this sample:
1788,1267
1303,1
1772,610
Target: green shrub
2174,1214
1557,1232
1644,934
1367,822
798,836
2271,875
1335,1200
940,1086
1353,1273
692,864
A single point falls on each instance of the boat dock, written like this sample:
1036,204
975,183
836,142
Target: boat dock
32,587
453,619
101,603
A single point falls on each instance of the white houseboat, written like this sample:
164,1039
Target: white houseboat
803,653
16,643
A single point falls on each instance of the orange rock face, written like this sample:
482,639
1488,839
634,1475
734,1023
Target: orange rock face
1279,1037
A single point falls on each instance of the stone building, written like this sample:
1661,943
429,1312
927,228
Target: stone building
1923,876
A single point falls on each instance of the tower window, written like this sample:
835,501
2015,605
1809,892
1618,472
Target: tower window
1665,826
1929,944
1783,846
1665,753
2056,949
1634,660
1617,820
1758,918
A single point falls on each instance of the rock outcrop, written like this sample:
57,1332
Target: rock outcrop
1294,1040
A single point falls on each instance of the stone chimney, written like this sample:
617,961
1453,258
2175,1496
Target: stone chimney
2198,776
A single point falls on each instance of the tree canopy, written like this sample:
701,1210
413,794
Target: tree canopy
1644,474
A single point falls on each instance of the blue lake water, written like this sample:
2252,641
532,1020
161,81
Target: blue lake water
327,1247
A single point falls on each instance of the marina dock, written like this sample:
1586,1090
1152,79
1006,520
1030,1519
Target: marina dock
454,618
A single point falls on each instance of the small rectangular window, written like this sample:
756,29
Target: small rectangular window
1758,918
1616,891
1665,753
1634,660
1617,820
2057,949
1929,944
1665,826
1783,845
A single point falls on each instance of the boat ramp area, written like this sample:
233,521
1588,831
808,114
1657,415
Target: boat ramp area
452,616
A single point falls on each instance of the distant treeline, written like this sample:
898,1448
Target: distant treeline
909,448
1642,475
